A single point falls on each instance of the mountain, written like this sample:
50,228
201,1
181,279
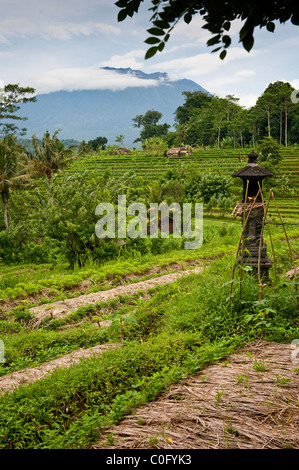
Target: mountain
87,114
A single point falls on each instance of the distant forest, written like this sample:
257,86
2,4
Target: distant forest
29,147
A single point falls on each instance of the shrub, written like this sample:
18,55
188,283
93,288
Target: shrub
209,185
269,151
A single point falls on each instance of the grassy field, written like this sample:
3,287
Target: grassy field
226,161
150,166
165,334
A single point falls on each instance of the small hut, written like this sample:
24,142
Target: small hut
179,151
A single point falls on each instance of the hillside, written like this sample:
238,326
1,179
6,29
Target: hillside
87,114
152,168
148,349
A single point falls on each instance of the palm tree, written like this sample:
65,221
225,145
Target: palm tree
13,169
50,156
155,192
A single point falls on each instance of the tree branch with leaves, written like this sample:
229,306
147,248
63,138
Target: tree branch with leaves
12,96
218,17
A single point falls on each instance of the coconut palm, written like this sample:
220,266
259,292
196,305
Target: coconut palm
13,169
49,156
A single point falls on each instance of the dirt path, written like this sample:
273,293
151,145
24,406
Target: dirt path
9,382
230,404
86,284
64,307
58,309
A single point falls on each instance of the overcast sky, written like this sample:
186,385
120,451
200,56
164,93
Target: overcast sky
54,45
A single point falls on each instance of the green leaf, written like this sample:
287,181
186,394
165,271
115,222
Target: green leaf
161,24
270,310
222,55
188,18
130,12
152,40
245,268
271,27
156,31
248,318
244,31
227,25
161,46
214,40
248,42
295,18
217,49
226,40
122,15
151,52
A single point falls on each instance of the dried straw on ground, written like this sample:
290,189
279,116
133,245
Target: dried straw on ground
62,308
231,404
8,383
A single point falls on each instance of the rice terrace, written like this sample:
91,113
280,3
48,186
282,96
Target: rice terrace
117,330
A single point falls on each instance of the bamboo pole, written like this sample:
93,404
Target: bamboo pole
261,285
244,215
243,241
273,252
240,240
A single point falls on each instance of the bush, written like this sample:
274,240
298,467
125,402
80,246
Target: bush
207,186
269,151
174,191
156,146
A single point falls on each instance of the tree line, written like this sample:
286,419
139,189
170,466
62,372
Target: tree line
208,120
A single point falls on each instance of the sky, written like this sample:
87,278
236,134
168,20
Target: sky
54,45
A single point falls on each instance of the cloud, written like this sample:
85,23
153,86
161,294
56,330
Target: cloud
196,35
92,78
294,83
203,64
6,55
3,40
245,73
130,59
191,32
69,30
16,27
216,85
291,41
38,9
224,85
133,59
247,99
13,27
